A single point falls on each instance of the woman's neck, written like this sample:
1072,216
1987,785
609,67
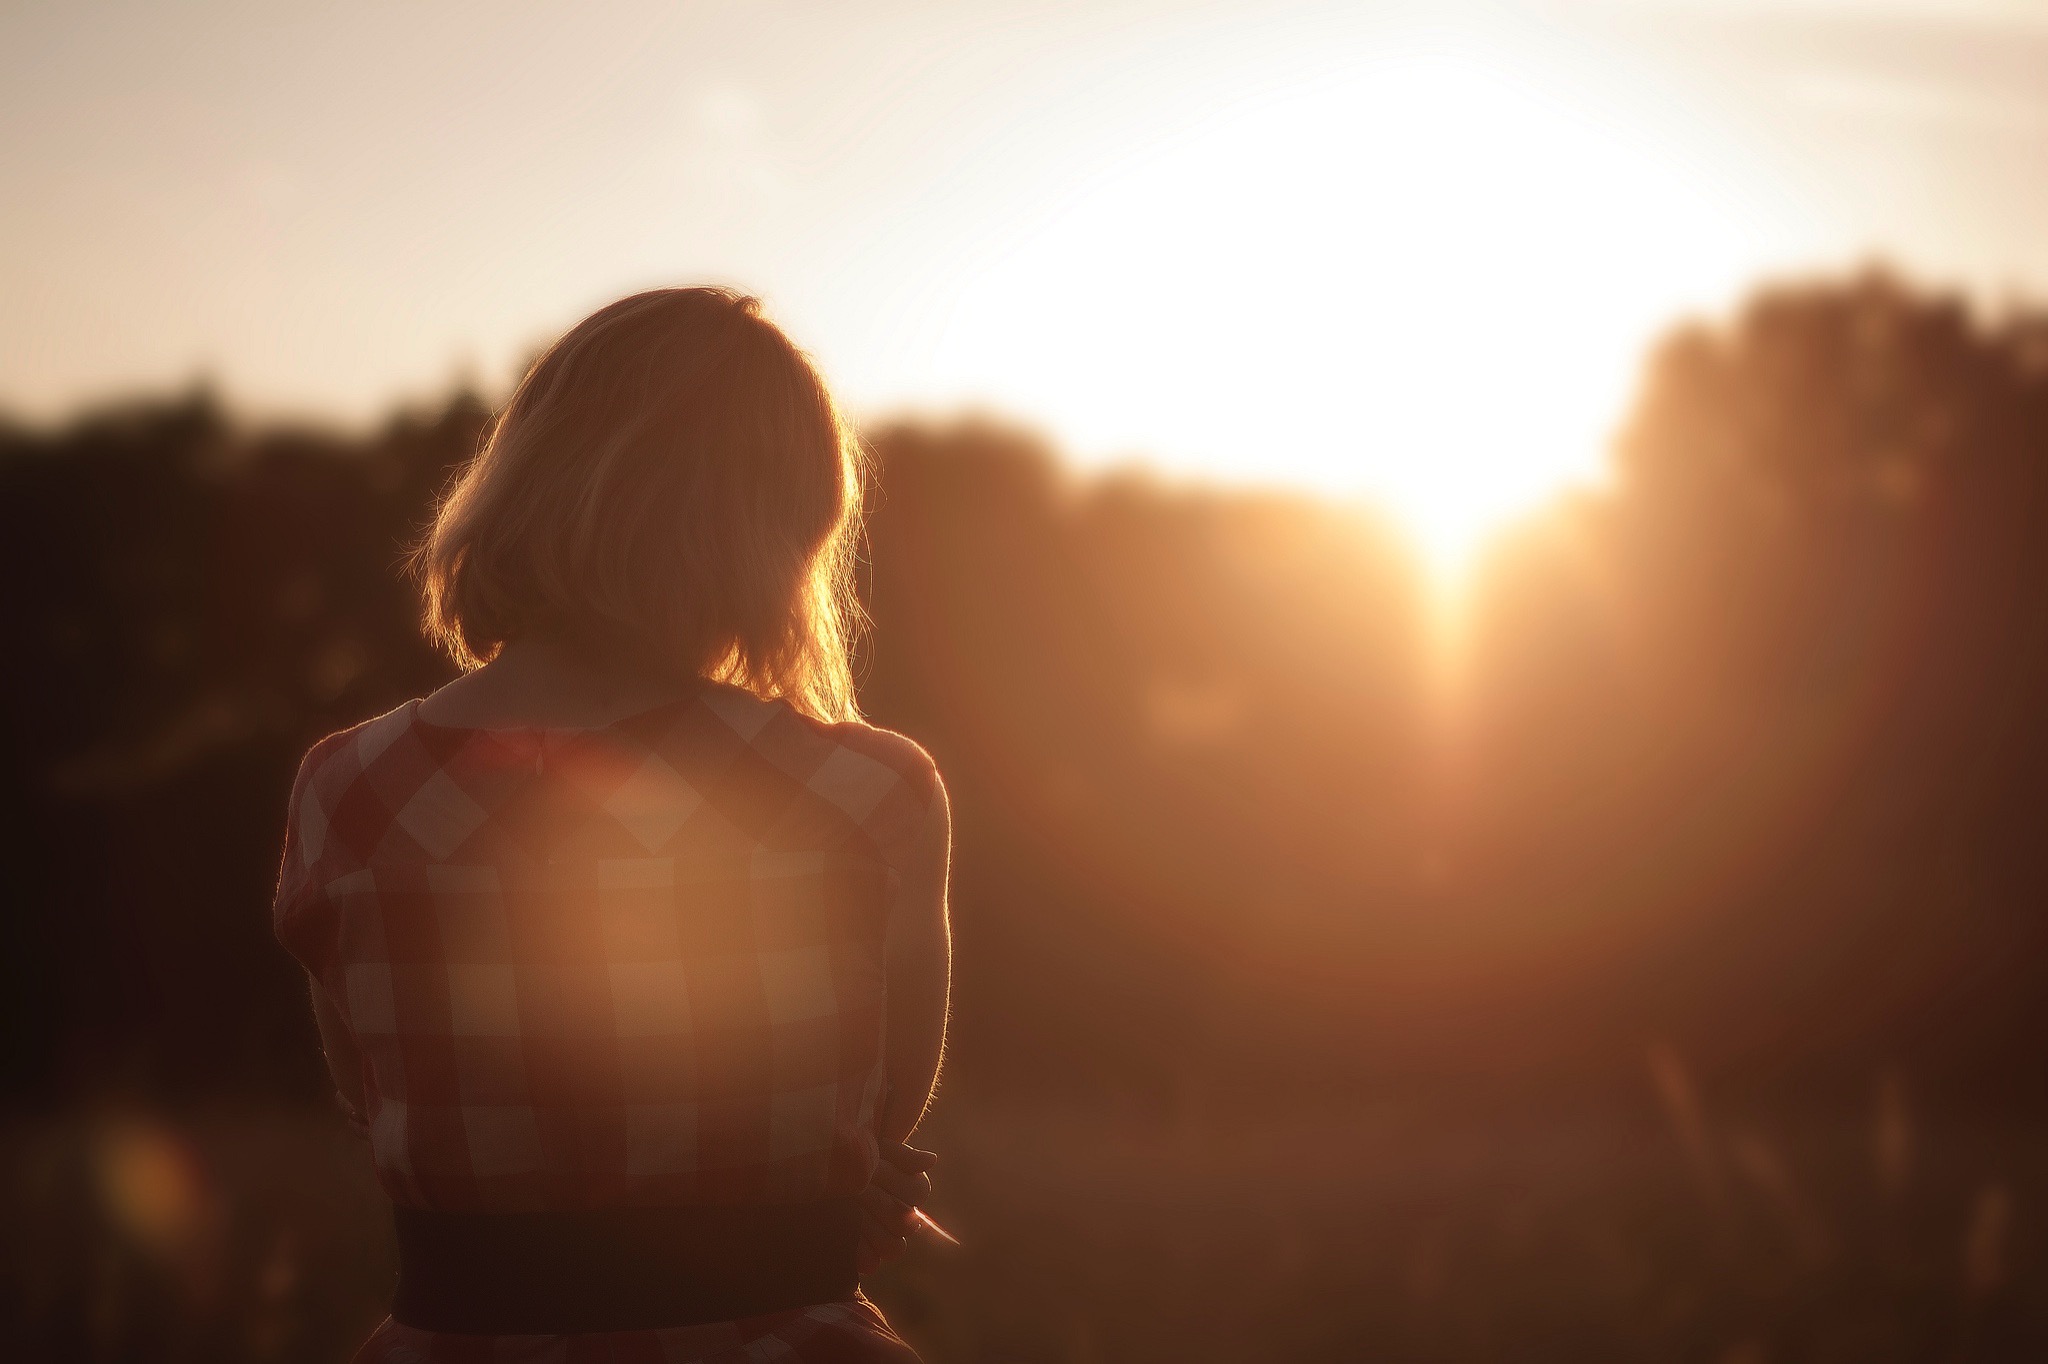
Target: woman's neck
548,679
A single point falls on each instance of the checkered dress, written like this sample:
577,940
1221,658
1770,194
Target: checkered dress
640,965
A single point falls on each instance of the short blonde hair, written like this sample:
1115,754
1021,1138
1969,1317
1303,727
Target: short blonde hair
671,482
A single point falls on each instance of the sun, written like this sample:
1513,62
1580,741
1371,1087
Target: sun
1427,284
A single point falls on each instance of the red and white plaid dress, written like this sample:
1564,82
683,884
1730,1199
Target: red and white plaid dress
640,965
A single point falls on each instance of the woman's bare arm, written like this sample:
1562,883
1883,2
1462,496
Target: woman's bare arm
919,965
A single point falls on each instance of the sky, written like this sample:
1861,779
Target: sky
1410,251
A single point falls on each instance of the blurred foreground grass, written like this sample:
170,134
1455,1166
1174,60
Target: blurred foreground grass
256,1234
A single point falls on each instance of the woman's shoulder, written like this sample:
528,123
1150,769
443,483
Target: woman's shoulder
335,761
360,743
318,840
883,781
829,745
900,753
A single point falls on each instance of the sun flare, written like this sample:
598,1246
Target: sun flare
1428,285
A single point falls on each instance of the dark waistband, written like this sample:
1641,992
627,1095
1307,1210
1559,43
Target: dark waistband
619,1269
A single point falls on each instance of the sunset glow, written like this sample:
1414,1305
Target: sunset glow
1305,291
1406,254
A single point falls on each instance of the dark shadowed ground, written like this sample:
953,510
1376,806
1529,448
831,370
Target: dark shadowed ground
1368,1235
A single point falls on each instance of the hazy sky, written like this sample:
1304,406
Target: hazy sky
1268,240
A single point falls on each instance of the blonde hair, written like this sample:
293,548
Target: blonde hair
672,483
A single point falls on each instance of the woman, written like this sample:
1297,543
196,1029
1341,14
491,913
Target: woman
629,946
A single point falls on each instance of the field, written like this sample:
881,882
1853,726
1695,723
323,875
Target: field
1654,1234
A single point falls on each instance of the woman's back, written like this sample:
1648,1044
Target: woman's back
634,964
630,947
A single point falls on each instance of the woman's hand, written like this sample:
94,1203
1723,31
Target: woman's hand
901,1182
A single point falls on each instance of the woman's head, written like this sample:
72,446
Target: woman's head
671,481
